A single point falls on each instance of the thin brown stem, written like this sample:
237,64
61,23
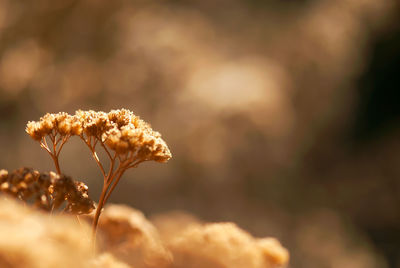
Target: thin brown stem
56,163
53,140
135,164
98,211
111,169
116,180
94,155
105,149
57,140
108,178
53,155
120,171
96,158
44,141
114,173
44,146
64,140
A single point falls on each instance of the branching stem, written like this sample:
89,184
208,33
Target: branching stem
92,149
54,153
98,212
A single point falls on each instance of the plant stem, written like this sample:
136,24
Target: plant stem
56,163
98,212
94,155
116,180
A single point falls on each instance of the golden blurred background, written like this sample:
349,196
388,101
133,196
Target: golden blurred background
281,115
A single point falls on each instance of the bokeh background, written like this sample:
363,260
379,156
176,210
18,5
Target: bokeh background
282,115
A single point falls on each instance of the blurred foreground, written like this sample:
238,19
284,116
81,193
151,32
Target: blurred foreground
30,238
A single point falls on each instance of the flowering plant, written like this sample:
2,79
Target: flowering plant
126,139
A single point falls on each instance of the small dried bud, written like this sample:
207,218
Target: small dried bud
64,127
47,123
76,127
33,129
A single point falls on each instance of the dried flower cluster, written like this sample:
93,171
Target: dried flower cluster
48,191
126,139
124,133
53,124
120,130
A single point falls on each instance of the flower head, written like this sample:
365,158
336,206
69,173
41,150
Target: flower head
124,132
60,123
126,139
137,138
120,130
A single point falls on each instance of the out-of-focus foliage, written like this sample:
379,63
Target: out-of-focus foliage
257,100
33,239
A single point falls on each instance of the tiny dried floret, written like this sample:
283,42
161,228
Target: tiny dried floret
121,117
34,130
47,123
93,123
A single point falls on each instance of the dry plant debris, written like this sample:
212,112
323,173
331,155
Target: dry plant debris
126,139
48,191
